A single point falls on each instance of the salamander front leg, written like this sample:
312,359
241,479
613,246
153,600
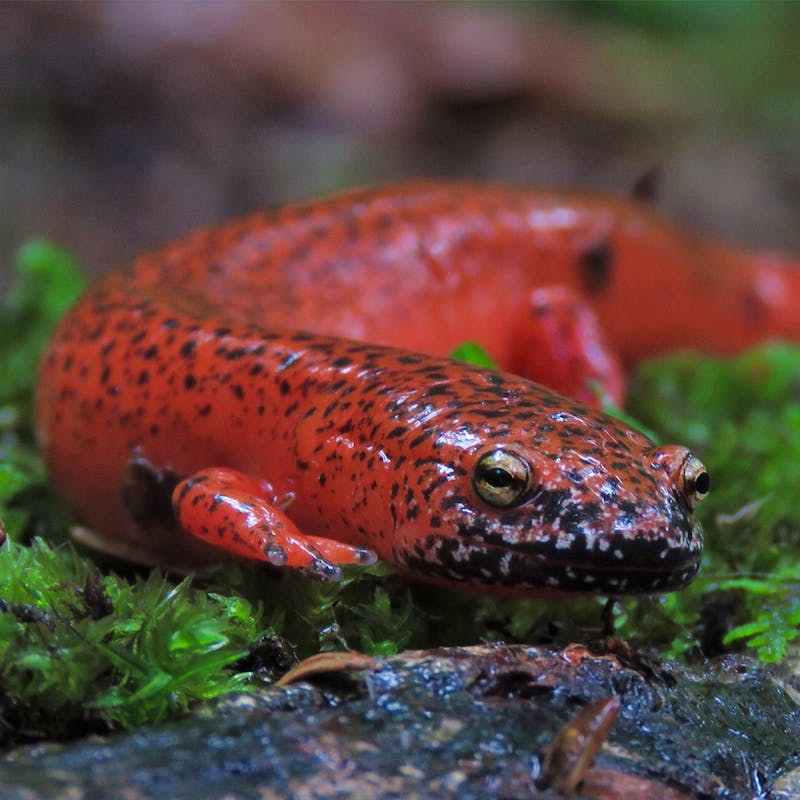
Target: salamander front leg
236,513
559,343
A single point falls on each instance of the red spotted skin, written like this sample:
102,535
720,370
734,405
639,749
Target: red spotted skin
285,351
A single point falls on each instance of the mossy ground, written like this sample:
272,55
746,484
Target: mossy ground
85,648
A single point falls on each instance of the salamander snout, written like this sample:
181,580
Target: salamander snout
569,520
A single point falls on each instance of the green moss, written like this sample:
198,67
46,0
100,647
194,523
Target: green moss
77,645
46,282
742,417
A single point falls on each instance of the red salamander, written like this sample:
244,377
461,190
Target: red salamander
278,388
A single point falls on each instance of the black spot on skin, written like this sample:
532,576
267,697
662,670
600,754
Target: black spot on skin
550,505
151,352
189,485
236,353
189,382
431,486
628,515
187,348
646,188
609,490
594,267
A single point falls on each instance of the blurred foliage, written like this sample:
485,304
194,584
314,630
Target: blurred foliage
736,57
47,282
82,649
681,17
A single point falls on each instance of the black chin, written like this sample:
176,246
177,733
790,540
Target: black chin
520,569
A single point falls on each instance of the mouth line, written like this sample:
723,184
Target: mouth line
587,576
610,568
672,561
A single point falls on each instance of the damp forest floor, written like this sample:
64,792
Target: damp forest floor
88,647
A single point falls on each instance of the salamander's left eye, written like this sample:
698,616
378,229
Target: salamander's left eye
501,478
696,481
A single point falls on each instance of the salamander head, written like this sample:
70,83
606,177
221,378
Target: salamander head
554,501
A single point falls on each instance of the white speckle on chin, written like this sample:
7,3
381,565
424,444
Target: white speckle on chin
564,541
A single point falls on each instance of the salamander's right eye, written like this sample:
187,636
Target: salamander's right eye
502,478
696,481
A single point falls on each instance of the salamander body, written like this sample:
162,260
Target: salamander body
277,388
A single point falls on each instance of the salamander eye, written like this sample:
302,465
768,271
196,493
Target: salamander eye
696,481
501,478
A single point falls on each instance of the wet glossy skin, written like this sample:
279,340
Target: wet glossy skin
213,371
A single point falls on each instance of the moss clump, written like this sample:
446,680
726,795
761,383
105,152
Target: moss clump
79,648
742,417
